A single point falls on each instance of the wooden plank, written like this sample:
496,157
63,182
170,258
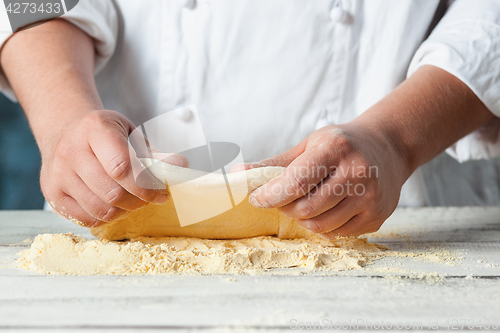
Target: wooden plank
243,301
16,226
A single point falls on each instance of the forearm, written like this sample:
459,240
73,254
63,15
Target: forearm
426,114
51,70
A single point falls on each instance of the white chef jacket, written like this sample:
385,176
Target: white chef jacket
266,74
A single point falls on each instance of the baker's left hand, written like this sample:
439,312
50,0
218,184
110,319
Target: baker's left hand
340,181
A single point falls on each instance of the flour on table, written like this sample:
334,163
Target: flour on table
68,254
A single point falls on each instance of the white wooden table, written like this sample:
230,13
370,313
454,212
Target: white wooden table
465,294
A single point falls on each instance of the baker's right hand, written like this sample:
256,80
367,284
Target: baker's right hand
87,171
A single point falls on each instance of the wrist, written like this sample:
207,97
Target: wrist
48,127
390,143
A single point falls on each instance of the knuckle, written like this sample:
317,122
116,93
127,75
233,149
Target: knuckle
341,141
296,184
101,120
115,195
94,119
118,166
304,210
65,149
108,214
314,226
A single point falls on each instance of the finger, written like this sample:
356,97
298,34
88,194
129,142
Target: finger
91,203
358,225
67,207
119,161
333,218
101,184
326,195
301,176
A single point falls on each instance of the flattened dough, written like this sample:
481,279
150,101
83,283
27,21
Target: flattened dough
201,192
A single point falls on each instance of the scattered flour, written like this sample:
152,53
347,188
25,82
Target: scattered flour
69,254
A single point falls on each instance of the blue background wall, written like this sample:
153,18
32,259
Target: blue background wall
19,160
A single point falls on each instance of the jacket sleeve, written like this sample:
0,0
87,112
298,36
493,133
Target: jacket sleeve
97,18
466,43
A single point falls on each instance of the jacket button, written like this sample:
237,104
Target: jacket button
183,114
190,4
338,15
